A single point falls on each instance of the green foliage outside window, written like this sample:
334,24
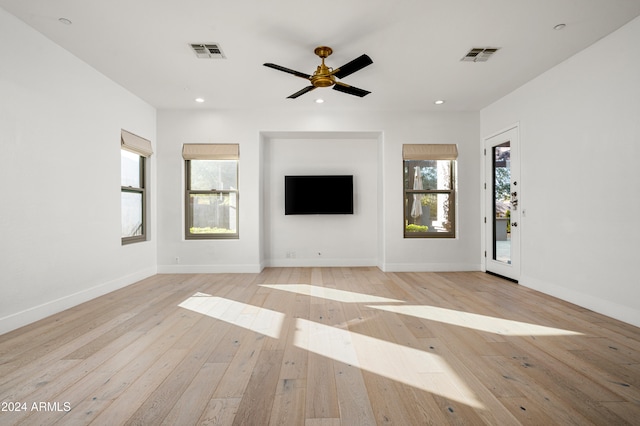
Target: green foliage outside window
412,227
209,230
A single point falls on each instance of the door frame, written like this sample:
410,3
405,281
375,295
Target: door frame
509,271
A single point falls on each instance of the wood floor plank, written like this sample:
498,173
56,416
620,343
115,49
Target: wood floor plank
322,397
195,398
323,422
368,347
295,359
527,412
114,378
20,381
234,382
289,402
353,398
139,391
78,371
542,395
395,403
626,411
219,412
257,399
200,342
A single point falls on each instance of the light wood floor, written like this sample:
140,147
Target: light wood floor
322,346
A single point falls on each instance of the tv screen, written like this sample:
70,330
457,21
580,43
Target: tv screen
328,194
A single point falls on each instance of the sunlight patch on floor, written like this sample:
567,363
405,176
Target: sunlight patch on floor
331,293
475,321
410,366
260,320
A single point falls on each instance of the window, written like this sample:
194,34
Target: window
133,154
211,196
429,190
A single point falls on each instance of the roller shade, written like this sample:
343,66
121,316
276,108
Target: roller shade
429,152
135,144
210,151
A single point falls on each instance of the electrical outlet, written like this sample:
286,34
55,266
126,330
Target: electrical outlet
177,259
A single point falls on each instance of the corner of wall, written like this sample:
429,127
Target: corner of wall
605,307
36,313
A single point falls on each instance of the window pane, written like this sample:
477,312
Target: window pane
213,213
428,213
502,203
131,214
130,169
214,174
427,174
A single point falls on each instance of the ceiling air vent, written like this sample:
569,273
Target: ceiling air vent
208,50
479,54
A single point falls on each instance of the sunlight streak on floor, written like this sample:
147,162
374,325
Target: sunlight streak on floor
260,320
331,293
410,366
475,321
404,364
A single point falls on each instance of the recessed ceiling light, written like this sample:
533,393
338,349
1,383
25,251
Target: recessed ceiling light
438,102
319,101
199,100
65,21
560,27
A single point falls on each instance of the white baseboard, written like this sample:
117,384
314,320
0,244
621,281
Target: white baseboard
320,263
596,304
210,269
36,313
430,267
317,263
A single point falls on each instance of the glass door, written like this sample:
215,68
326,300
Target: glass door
501,202
502,239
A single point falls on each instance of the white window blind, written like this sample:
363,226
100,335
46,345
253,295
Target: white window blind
429,152
135,144
210,151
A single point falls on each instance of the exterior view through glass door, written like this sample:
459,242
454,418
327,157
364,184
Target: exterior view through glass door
502,239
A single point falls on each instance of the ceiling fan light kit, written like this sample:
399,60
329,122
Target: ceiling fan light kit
325,76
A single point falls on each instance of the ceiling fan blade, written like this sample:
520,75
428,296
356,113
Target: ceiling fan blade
345,88
290,71
301,92
353,66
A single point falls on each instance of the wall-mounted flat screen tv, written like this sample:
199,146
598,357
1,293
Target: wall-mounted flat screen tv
326,194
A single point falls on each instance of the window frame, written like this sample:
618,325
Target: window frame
137,190
195,152
412,156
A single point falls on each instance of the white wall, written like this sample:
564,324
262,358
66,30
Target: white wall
60,124
580,155
258,246
323,240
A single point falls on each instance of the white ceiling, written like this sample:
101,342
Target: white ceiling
416,46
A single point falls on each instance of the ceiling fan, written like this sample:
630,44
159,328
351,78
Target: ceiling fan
326,77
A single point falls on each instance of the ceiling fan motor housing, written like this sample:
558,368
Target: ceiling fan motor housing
322,77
